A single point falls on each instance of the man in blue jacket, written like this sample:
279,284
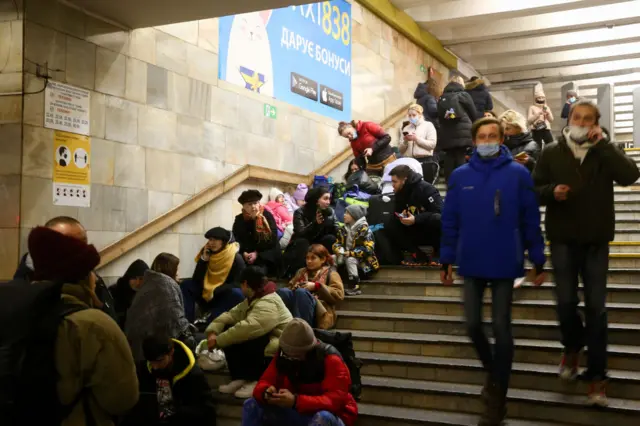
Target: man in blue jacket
491,216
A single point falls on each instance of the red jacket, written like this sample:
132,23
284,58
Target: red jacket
368,134
331,394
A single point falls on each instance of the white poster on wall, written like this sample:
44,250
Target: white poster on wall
67,108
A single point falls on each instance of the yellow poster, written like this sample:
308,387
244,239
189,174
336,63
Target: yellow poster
71,169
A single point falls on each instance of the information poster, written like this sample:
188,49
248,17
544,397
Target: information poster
298,54
71,169
67,108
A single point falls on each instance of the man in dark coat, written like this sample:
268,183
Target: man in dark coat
173,389
456,113
574,178
480,95
418,206
256,231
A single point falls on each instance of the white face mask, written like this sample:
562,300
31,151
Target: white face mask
579,134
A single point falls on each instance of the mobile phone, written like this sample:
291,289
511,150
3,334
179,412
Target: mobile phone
400,216
521,155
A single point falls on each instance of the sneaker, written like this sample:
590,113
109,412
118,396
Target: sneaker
518,282
353,291
569,366
246,391
232,387
598,394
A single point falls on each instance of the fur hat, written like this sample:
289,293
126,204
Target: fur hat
274,193
297,338
250,196
301,192
356,212
58,257
218,233
538,91
514,118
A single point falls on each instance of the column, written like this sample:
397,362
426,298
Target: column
636,118
605,105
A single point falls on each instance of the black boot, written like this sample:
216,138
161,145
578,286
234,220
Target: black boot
495,405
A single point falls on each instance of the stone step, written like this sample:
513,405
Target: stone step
465,398
402,273
623,384
624,293
621,357
621,193
454,325
625,313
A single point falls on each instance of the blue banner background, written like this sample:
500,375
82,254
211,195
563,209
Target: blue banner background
256,52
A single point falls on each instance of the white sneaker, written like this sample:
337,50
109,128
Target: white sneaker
246,391
517,283
231,387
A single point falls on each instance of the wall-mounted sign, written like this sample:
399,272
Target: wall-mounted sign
67,108
270,111
71,169
291,54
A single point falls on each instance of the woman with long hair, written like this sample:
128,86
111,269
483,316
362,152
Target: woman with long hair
426,95
315,290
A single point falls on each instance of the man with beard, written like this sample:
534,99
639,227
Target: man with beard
519,140
574,178
173,389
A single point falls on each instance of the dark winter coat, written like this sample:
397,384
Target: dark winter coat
122,292
269,252
428,103
420,198
480,95
305,224
491,216
456,133
588,214
192,398
523,142
157,308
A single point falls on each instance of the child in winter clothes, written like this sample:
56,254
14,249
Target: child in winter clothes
293,201
355,248
284,219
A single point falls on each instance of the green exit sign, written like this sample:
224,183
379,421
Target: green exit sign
270,111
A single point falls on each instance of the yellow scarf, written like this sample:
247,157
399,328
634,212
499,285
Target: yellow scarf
218,269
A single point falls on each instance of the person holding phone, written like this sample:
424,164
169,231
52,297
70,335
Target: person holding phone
419,139
519,140
574,178
540,117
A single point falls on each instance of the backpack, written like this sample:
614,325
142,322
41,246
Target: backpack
344,344
29,318
449,108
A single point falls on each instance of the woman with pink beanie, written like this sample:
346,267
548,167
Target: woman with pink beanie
294,200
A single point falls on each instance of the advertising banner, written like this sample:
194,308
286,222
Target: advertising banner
299,54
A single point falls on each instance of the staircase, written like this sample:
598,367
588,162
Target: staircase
421,369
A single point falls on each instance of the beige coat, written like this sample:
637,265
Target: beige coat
427,138
266,315
92,355
535,115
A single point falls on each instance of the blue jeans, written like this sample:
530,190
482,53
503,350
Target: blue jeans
221,303
592,262
254,414
301,303
497,362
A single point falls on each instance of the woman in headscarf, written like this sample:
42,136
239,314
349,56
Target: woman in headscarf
126,288
256,231
315,290
214,287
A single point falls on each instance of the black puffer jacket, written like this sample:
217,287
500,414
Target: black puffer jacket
268,251
480,95
456,133
305,224
428,103
523,142
420,198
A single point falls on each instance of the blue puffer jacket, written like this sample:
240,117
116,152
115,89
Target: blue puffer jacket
491,216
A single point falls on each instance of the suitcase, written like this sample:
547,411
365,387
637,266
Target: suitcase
381,208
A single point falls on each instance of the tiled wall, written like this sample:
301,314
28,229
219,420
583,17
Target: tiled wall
163,127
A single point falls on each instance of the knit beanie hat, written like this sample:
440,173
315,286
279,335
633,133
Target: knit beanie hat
538,91
300,192
274,193
61,258
357,212
514,118
297,338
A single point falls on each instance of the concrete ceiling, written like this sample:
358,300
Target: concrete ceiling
517,43
149,13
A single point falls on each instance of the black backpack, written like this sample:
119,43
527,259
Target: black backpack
29,318
449,108
344,344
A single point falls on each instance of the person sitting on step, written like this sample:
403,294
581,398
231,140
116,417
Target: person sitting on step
306,384
315,290
214,287
126,288
248,334
355,248
174,391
